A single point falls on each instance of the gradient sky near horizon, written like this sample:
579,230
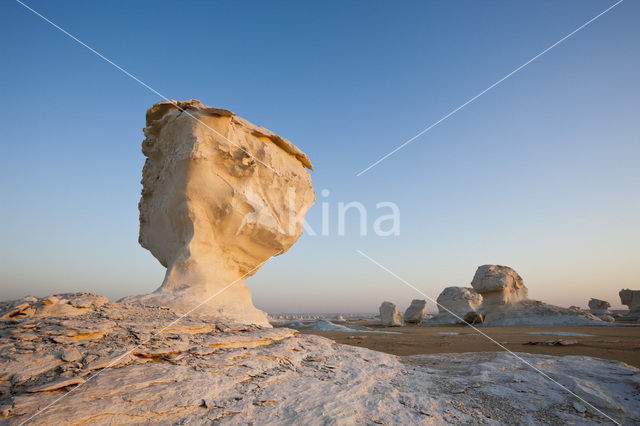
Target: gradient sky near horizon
541,173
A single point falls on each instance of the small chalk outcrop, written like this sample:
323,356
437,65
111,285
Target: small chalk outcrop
415,312
389,315
220,196
599,307
499,285
631,298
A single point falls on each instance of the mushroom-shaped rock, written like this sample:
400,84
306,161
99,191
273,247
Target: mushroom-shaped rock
631,298
499,285
599,307
220,196
389,315
459,300
415,312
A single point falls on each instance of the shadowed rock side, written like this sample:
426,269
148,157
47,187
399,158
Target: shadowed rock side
134,364
220,196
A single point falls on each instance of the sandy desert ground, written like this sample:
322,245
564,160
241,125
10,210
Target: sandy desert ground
620,343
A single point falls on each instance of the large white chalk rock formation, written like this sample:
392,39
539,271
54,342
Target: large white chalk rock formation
389,315
631,298
220,196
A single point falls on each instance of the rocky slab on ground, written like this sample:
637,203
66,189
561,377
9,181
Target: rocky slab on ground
122,364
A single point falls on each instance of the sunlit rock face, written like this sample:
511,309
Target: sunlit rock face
220,196
499,285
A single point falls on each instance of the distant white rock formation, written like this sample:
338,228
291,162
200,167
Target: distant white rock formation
389,315
220,196
631,298
504,301
499,286
415,312
599,307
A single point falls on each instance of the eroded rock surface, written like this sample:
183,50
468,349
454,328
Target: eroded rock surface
220,196
389,315
123,364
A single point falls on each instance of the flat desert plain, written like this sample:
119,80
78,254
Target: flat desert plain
620,343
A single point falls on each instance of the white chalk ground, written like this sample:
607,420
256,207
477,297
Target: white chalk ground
196,372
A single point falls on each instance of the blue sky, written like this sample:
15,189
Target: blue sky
540,174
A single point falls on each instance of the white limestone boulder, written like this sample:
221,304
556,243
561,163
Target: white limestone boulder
220,196
599,307
415,312
389,315
459,300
